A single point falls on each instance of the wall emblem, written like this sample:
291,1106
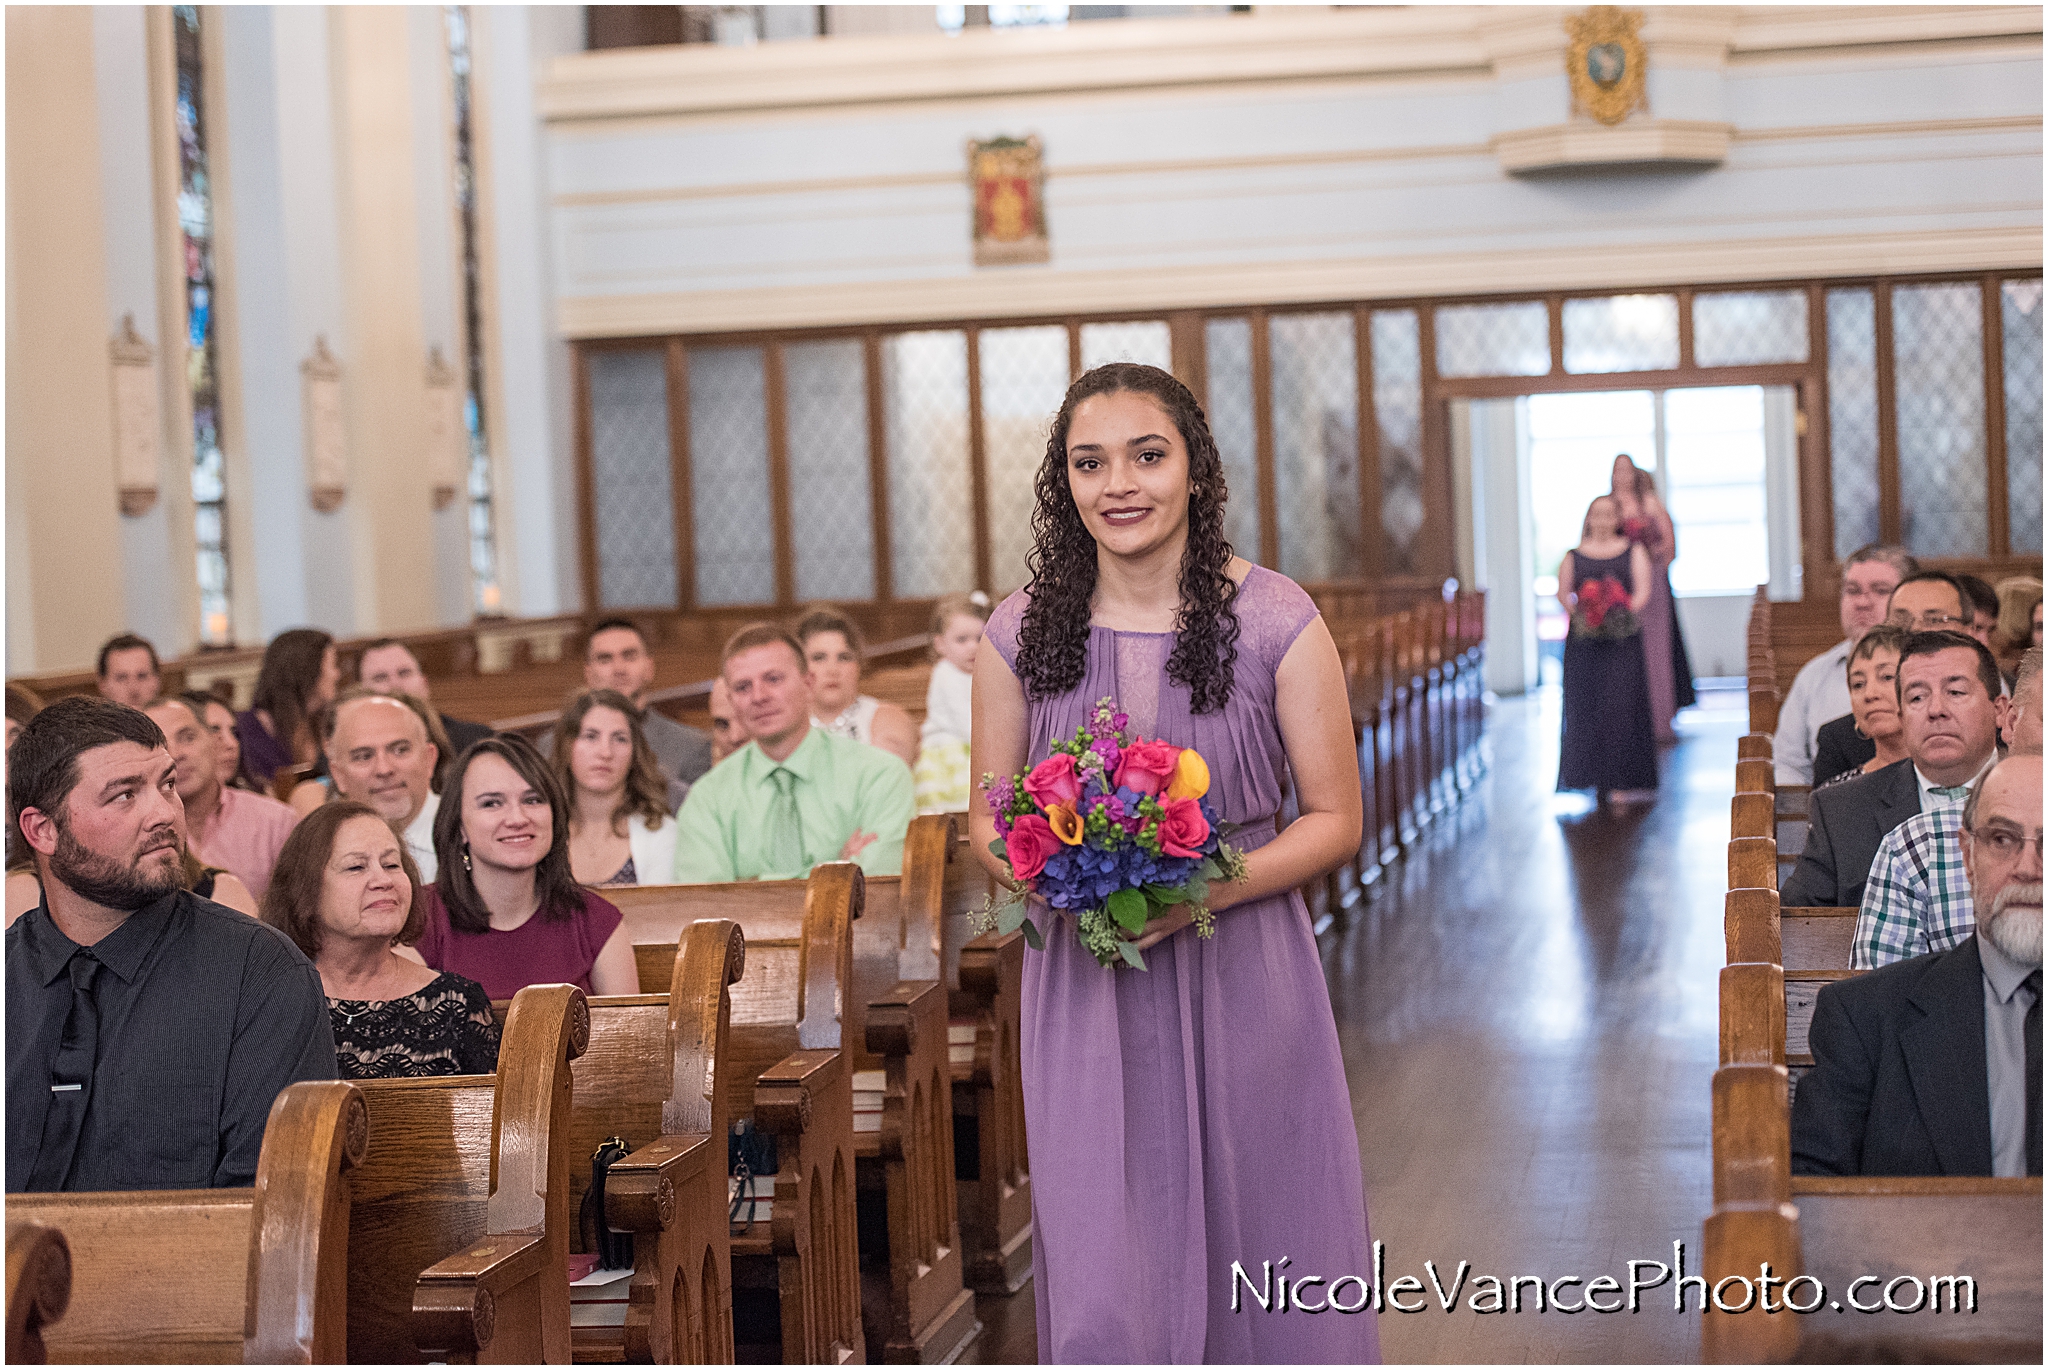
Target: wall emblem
1607,62
136,423
447,435
326,449
1007,176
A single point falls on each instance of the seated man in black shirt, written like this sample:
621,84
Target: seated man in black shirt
148,1030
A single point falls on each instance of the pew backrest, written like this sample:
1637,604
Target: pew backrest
1813,939
38,1287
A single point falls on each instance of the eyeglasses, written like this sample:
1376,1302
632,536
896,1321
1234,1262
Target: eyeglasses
1933,621
2005,844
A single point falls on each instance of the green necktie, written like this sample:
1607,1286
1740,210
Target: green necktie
1950,791
785,828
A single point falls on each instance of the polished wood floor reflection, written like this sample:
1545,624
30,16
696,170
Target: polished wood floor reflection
1527,1011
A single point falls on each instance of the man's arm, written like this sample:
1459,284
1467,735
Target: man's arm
888,801
1832,1106
1892,924
1812,883
703,852
282,1035
1792,744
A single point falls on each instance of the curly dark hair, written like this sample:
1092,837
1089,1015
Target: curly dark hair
1052,642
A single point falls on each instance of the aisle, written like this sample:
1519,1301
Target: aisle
1529,1017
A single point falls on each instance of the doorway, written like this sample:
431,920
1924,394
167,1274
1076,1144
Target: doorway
1725,460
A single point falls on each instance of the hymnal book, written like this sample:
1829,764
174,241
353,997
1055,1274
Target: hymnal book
868,1087
960,1041
761,1193
597,1298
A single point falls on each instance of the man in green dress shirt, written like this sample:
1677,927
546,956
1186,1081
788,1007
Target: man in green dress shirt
794,795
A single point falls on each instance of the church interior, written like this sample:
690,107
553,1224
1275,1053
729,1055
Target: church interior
490,334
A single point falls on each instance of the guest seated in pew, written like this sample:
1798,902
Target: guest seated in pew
128,671
297,680
1948,688
1870,736
728,729
507,911
619,825
945,780
22,705
1819,692
2019,622
1932,1066
1930,602
616,658
1980,606
25,887
347,894
148,1030
383,752
227,745
1917,900
833,652
389,667
229,829
796,794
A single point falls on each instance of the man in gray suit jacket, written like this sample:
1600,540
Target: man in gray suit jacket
1948,688
1932,1066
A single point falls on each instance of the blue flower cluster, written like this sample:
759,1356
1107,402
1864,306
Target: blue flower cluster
1082,877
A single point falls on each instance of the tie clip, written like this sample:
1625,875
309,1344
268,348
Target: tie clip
59,1089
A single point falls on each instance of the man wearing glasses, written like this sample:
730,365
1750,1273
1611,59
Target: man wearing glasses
1820,692
1932,1066
1918,899
1929,602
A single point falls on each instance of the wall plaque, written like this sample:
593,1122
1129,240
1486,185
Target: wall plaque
138,431
326,449
1607,63
447,436
1008,179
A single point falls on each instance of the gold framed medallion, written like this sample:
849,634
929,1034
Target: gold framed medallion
1607,63
1007,177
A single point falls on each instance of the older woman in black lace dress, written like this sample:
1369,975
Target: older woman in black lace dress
346,891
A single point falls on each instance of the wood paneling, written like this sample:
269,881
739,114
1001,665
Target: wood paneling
1262,421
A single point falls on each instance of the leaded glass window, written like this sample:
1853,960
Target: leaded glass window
1397,407
2020,306
1234,425
1315,444
1148,341
1748,327
202,355
483,544
729,502
1023,381
1621,333
1852,416
1938,344
631,483
931,495
1493,339
832,527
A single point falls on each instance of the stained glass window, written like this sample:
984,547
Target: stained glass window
1234,425
1938,341
202,374
1852,416
1397,405
483,546
2020,305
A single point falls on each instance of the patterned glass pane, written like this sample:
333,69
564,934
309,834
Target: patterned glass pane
1023,380
1938,343
1852,416
830,506
1147,340
729,509
931,497
1748,327
1621,333
1234,425
1493,339
2021,307
630,480
1397,406
1315,445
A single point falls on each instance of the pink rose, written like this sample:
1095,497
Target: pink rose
1182,828
1147,766
1030,844
1054,781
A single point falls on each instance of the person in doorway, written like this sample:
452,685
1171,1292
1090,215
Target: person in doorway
1604,584
1646,523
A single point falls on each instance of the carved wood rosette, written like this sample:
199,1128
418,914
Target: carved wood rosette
326,446
138,425
447,436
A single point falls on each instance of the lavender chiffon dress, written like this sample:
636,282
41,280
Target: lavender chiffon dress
1196,1113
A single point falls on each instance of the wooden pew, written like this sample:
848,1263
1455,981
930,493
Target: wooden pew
459,1220
38,1287
1754,775
1750,815
657,1073
790,1078
1753,746
208,1275
1812,939
1752,863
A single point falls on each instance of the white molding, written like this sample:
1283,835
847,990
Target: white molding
1684,142
1031,292
696,80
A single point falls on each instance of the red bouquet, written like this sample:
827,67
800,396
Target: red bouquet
1602,610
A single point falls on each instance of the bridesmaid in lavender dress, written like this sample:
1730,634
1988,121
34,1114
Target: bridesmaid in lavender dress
1195,1114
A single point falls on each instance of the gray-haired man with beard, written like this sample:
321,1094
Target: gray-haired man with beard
1932,1066
148,1030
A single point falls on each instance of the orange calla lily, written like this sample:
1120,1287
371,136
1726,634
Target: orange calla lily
1190,776
1066,824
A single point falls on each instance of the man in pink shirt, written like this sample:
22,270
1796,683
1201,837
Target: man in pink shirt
235,830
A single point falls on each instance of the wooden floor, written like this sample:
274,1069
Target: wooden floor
1528,1011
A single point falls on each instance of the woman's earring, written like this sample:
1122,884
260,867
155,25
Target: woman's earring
1859,731
465,857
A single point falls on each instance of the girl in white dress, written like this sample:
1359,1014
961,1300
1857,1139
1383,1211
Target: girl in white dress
945,778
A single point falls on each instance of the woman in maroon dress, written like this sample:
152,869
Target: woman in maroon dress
1647,523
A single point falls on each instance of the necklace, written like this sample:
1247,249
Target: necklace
349,1019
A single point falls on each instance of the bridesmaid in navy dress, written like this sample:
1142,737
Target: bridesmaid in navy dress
1610,743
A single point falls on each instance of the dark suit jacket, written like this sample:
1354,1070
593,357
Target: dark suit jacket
1898,1085
1849,820
1837,749
461,733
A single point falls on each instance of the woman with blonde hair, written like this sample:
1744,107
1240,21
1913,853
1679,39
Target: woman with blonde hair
2019,622
833,652
944,769
620,829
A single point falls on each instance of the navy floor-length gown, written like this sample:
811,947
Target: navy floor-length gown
1609,741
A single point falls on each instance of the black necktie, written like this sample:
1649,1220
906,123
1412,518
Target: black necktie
71,1078
2033,983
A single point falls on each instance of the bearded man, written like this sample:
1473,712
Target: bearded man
148,1030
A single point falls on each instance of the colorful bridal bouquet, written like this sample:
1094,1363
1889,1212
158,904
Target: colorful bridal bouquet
1602,610
1113,828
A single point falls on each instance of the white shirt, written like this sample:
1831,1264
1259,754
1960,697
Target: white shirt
1819,694
1930,801
948,705
419,838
